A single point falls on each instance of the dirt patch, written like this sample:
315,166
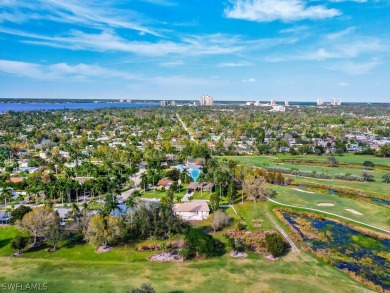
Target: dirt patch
238,254
166,256
297,189
270,257
325,204
354,212
103,249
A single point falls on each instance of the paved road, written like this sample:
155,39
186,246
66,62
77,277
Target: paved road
315,210
185,127
137,181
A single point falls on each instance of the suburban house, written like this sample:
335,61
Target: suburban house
63,214
205,186
190,211
4,217
16,179
166,183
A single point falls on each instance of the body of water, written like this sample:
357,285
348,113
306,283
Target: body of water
63,106
366,256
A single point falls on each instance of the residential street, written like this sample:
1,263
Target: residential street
185,127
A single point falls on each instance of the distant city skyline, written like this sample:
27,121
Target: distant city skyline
234,50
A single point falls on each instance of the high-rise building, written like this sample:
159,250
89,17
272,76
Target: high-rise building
206,100
130,101
273,103
333,102
163,103
173,103
121,101
278,108
338,102
320,102
286,104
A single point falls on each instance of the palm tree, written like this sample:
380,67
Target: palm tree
153,173
144,180
6,193
131,203
69,173
111,204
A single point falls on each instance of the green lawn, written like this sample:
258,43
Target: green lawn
346,158
79,269
377,188
264,162
159,194
197,195
254,215
372,214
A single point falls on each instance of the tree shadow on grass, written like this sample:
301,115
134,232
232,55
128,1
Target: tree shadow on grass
73,242
5,242
40,246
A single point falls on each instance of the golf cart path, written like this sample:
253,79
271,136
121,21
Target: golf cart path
294,248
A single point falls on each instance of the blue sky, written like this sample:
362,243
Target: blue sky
297,50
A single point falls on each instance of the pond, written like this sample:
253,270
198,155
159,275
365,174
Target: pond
366,256
381,201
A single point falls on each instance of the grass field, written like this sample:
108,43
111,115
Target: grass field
77,268
263,162
372,214
377,188
346,158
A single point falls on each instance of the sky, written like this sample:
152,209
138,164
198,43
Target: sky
296,50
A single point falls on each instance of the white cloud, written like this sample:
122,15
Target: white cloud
59,71
86,13
284,10
349,49
343,84
249,80
213,44
172,63
355,68
359,1
340,34
295,29
235,64
161,2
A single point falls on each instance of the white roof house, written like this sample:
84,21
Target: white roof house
195,210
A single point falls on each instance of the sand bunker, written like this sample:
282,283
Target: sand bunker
325,204
354,212
301,190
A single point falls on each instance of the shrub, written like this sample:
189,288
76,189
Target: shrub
201,243
349,177
275,244
19,212
368,165
19,242
145,288
220,220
